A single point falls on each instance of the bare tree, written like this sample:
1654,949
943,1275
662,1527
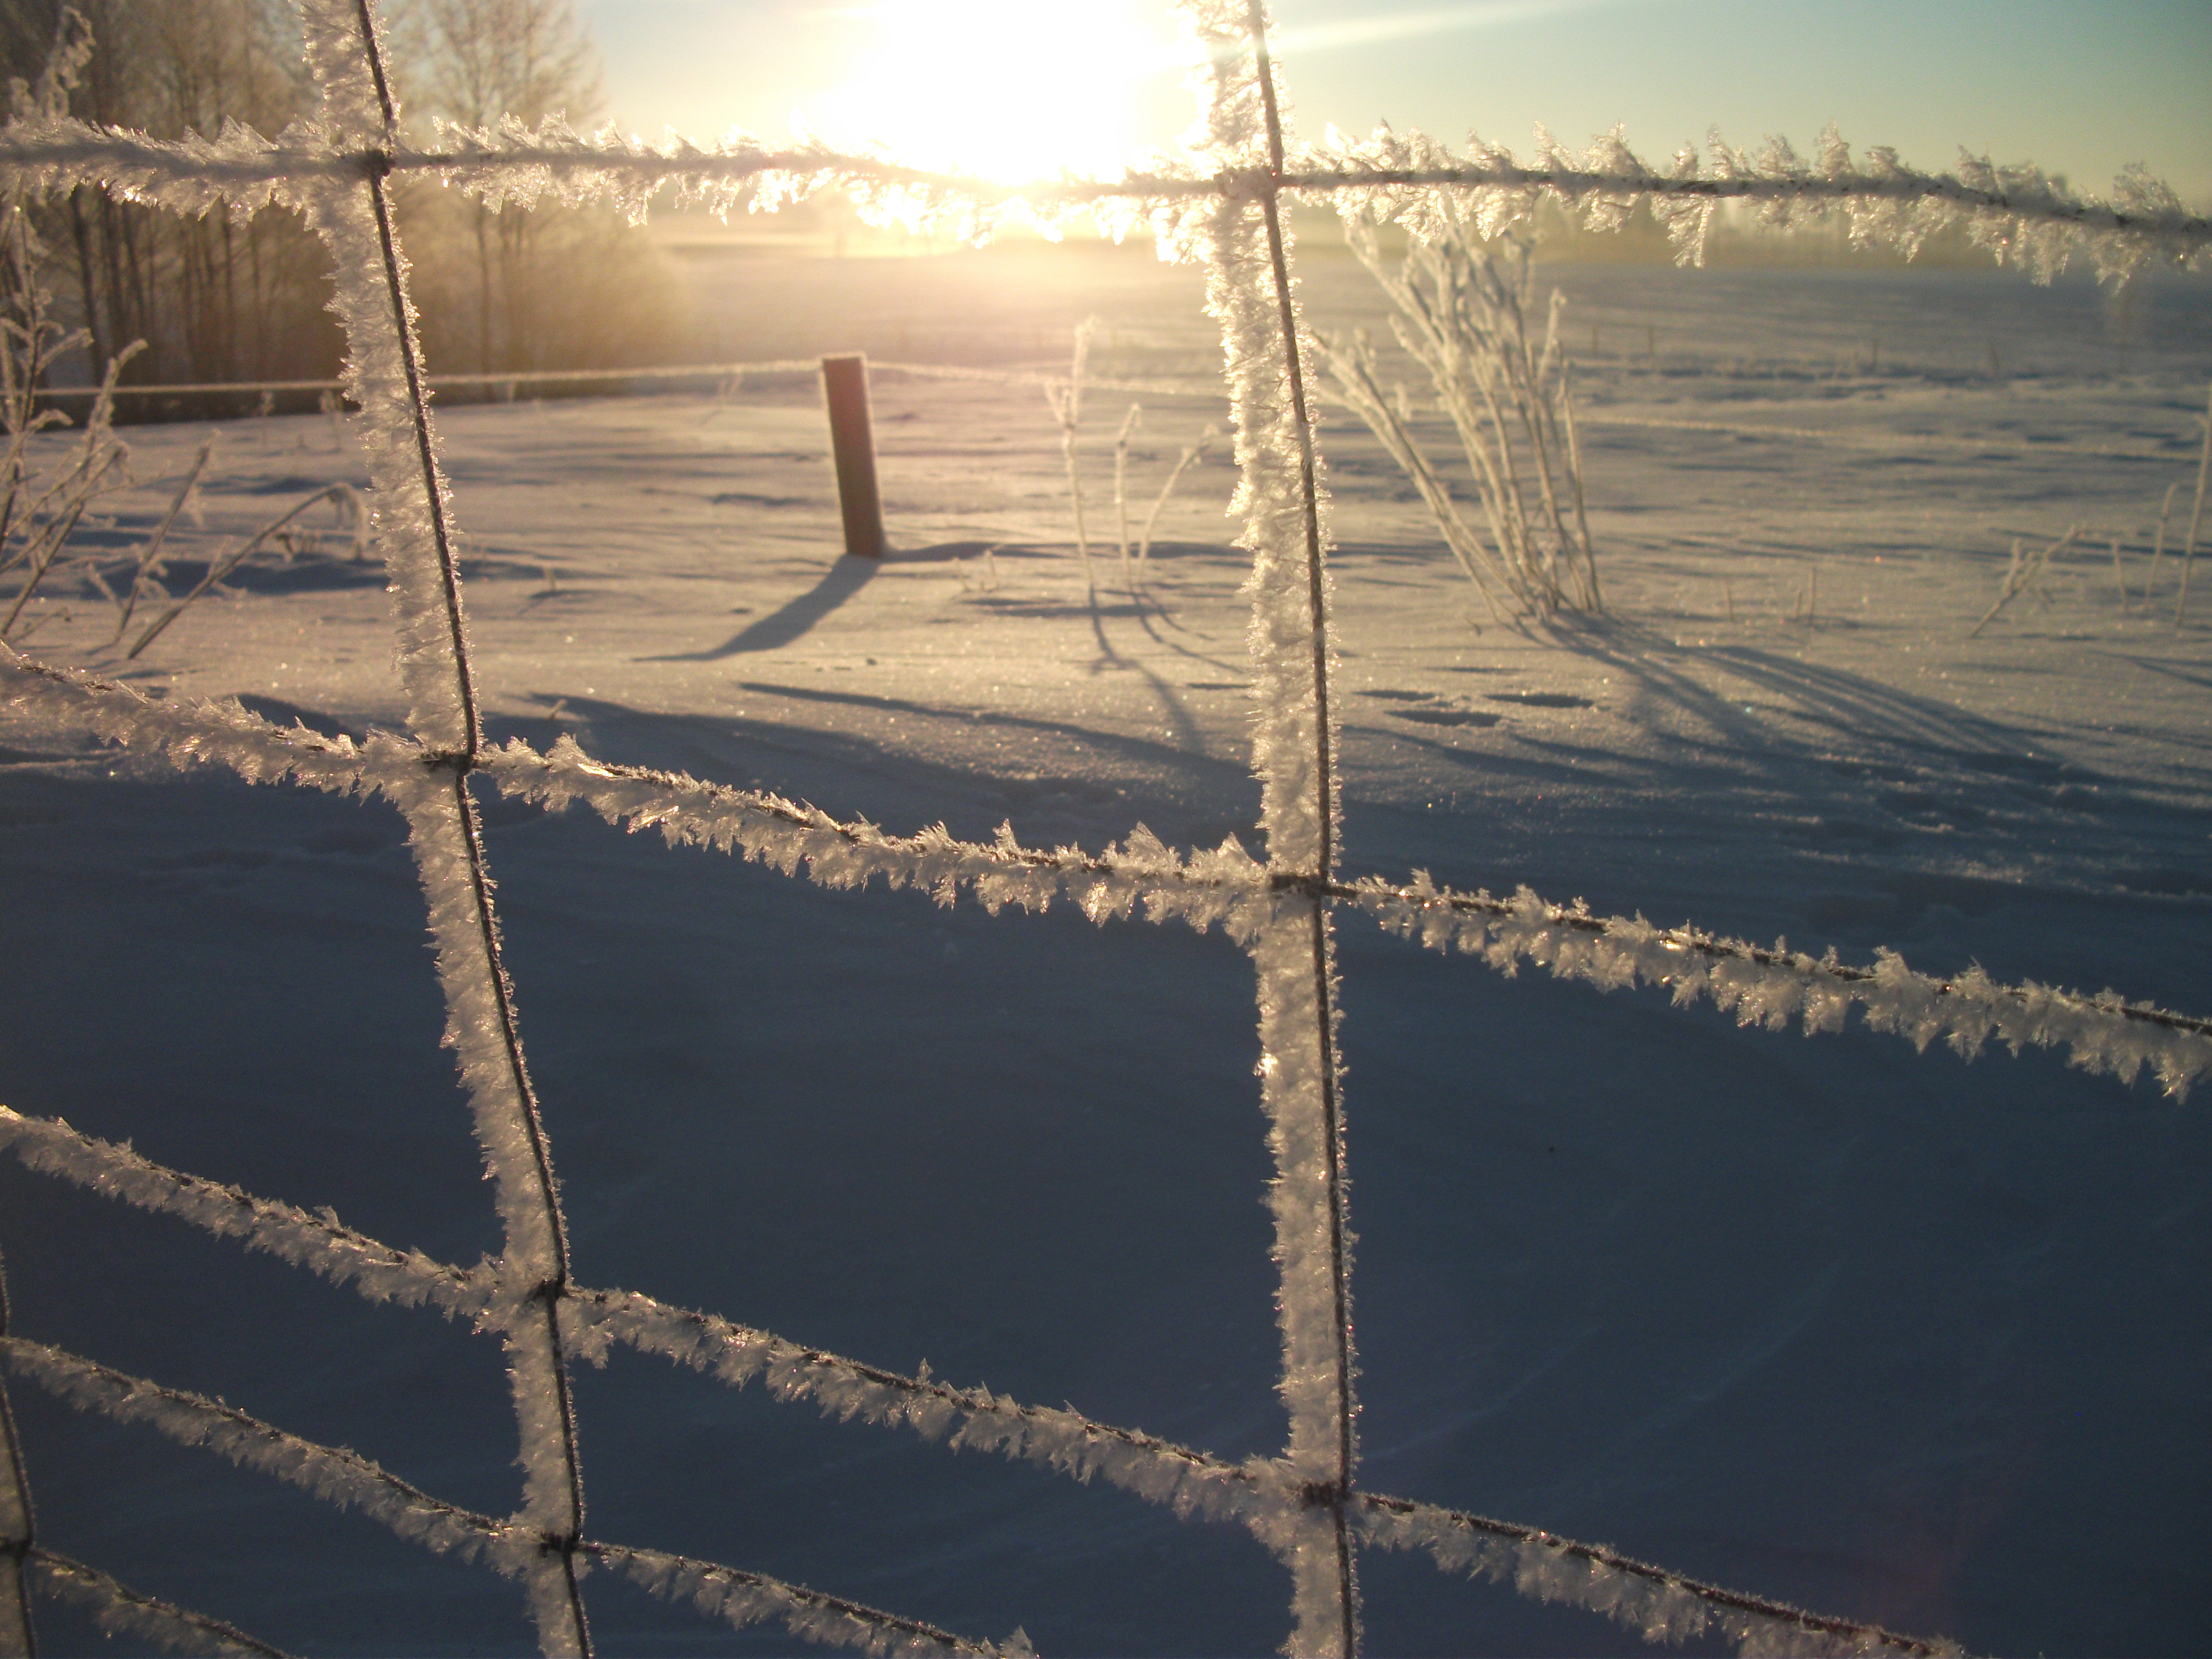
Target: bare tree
474,62
219,300
215,299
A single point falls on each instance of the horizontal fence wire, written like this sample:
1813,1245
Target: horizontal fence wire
2018,214
1659,1605
1771,986
346,1479
121,1611
1777,987
1257,1493
1187,1481
56,153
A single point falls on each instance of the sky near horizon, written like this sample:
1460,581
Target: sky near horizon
2083,89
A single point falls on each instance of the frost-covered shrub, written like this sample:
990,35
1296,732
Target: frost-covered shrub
1462,311
42,504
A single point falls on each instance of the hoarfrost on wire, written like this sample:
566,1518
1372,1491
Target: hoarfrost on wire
345,1478
2019,214
1186,1482
1658,1606
1247,248
383,375
1260,1494
119,1610
1776,987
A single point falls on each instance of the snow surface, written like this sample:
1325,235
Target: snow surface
1885,1333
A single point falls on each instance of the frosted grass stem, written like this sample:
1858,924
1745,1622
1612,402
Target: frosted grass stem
1460,304
1192,454
55,535
150,557
1575,473
2022,573
1352,364
1130,422
2196,518
63,500
1066,402
2158,542
340,496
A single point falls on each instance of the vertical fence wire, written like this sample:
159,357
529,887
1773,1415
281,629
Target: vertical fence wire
1325,786
18,1521
446,833
1251,290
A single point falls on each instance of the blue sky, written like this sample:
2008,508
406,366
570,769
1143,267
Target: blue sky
2082,88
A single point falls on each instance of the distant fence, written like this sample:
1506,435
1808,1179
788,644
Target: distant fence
721,373
247,399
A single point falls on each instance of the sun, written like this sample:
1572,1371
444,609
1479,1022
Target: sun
1009,89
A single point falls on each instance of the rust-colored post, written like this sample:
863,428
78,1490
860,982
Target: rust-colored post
853,446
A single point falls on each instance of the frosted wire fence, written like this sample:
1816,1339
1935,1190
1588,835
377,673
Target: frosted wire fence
1225,208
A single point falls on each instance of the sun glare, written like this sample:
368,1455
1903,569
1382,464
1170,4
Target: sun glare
1010,89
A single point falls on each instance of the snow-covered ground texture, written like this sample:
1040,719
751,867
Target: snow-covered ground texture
1884,1333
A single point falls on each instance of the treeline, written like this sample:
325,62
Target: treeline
218,299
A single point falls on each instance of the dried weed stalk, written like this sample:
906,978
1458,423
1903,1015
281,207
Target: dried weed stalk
1461,311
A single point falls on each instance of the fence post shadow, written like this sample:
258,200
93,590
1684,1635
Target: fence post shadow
845,577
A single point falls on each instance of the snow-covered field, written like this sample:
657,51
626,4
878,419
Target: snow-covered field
1889,1335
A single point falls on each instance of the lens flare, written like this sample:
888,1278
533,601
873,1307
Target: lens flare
1008,90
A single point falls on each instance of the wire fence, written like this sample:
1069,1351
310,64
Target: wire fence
517,378
725,377
1225,208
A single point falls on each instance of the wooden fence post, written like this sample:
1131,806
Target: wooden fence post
853,446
